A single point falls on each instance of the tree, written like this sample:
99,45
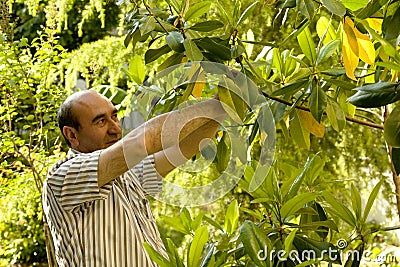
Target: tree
307,71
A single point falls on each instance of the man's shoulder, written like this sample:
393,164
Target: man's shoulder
73,155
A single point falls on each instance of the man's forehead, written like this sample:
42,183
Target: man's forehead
91,103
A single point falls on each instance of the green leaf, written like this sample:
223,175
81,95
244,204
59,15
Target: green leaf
234,105
231,217
147,25
294,204
291,88
339,209
356,201
192,51
215,47
371,199
197,9
207,26
396,159
335,115
375,95
175,41
173,254
289,241
371,8
172,60
246,13
312,168
391,128
325,30
355,5
306,7
254,242
223,154
156,256
321,250
196,247
153,54
327,50
307,44
136,69
318,101
298,132
186,219
176,223
335,6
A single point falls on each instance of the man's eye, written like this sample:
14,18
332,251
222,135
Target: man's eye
101,122
115,117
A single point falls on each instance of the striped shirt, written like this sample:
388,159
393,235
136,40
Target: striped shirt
105,226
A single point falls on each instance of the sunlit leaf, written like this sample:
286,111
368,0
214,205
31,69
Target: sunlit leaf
231,217
325,30
196,247
327,50
294,204
137,69
349,48
254,241
192,51
197,9
371,199
298,132
354,5
311,124
365,47
307,44
335,115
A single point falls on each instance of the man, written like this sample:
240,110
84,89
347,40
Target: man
94,200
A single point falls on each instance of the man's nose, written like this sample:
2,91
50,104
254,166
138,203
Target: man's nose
115,127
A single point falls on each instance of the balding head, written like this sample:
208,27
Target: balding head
66,115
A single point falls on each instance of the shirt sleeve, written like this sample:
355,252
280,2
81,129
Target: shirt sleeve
78,181
148,177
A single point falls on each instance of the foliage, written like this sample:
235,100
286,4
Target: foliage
30,96
318,65
21,225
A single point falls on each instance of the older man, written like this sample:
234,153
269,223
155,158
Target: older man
94,200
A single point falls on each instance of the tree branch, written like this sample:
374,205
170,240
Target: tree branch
288,103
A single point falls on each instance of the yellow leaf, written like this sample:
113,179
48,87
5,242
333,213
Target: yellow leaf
375,24
198,86
349,48
365,47
311,124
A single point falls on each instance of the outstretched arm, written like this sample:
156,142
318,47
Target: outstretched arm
158,134
168,159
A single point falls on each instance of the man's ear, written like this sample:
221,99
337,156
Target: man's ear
70,133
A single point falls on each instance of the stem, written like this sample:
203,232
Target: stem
288,103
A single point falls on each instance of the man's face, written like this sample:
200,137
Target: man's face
99,124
